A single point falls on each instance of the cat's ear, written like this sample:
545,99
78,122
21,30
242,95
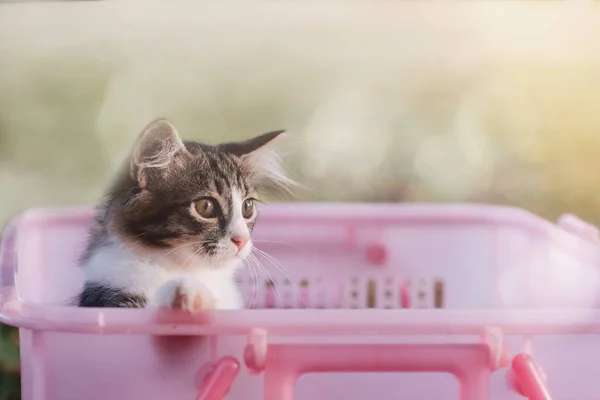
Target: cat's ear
157,149
261,157
248,147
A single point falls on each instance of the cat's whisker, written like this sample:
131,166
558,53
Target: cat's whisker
257,268
178,248
191,257
253,295
273,261
271,280
218,255
140,238
284,271
303,249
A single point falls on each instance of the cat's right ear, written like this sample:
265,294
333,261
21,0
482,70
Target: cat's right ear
157,149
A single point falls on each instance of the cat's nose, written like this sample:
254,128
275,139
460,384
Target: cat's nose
239,241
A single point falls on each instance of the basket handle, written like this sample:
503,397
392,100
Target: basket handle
218,378
528,379
470,363
579,227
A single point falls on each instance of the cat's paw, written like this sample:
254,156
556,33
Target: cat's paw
183,294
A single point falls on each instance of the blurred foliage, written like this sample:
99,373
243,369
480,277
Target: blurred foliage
10,388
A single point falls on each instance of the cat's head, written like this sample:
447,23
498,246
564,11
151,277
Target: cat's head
193,203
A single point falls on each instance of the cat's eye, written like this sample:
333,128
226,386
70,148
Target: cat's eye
206,208
248,208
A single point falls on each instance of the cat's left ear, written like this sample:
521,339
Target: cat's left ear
260,155
157,150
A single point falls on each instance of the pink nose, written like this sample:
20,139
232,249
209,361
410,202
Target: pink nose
239,241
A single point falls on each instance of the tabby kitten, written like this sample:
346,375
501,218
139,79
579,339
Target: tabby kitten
175,225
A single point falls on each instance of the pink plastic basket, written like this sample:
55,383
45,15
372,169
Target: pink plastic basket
365,301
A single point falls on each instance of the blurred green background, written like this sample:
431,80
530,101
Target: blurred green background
494,102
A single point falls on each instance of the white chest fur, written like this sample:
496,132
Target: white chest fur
112,265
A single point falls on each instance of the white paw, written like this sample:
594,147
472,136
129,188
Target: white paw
183,294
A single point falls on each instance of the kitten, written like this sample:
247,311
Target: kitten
176,224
